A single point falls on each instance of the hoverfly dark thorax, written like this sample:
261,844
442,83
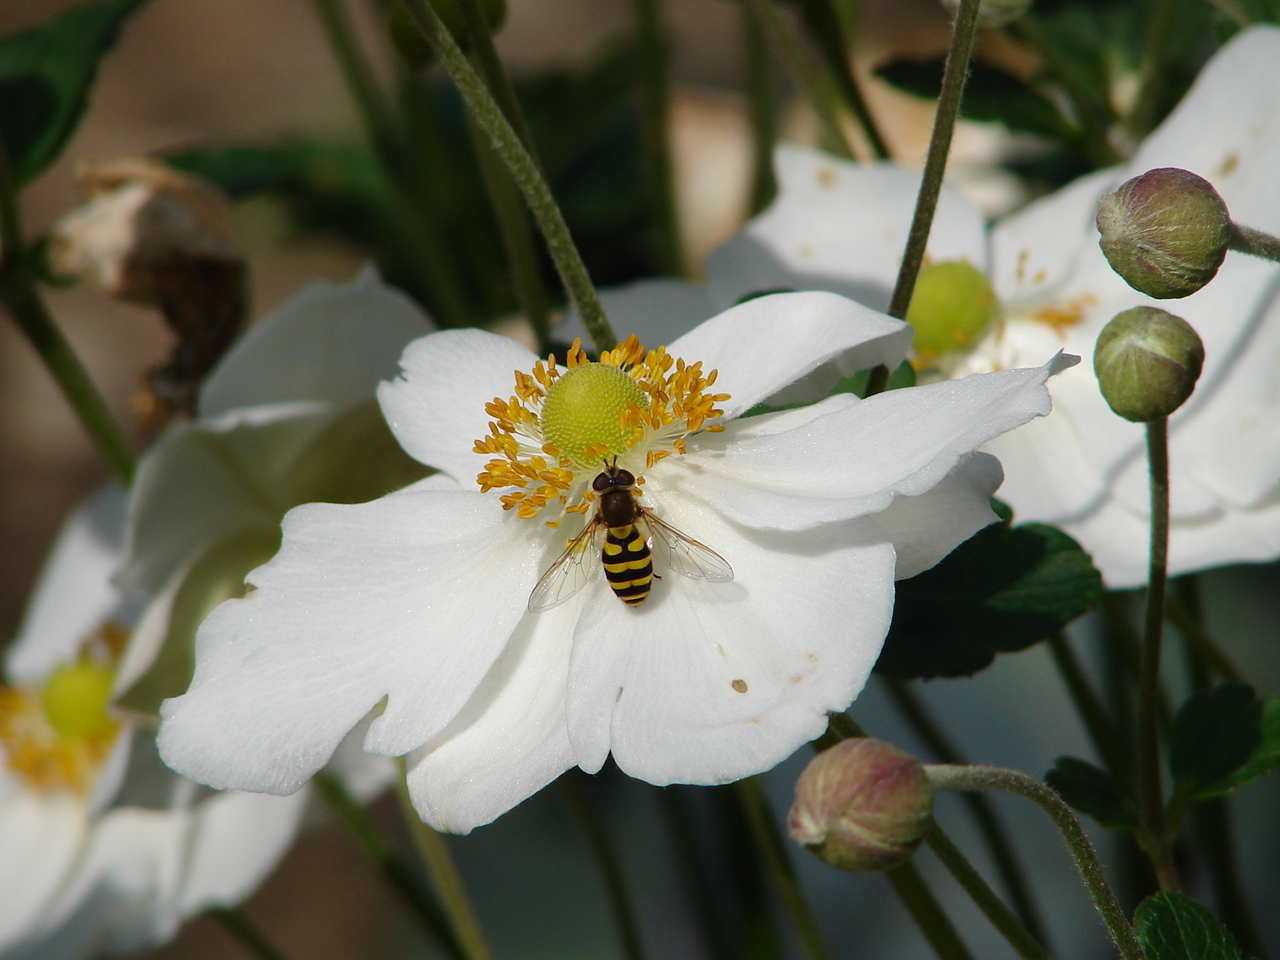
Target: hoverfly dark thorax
628,564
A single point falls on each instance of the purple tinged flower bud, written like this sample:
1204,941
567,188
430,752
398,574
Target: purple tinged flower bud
1147,362
1165,232
861,805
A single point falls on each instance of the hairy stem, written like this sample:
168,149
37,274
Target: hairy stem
1254,242
655,106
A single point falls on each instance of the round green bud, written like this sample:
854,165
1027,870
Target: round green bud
1165,232
76,698
583,408
1147,362
951,306
861,805
413,46
994,13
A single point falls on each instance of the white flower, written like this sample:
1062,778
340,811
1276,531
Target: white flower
95,860
416,605
104,847
841,227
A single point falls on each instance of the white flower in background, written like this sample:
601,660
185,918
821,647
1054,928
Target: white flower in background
104,848
94,860
841,227
417,605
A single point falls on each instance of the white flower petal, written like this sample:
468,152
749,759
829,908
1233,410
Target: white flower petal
656,310
436,406
410,597
327,342
41,838
763,345
926,528
856,458
74,595
706,683
511,739
842,227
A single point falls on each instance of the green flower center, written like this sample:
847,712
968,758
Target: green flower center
583,413
75,701
951,307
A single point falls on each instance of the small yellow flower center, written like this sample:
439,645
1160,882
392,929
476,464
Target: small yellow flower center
75,700
951,307
57,737
633,407
584,413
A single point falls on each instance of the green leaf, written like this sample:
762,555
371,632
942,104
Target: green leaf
1172,926
1261,760
1003,589
990,94
45,77
1093,791
1214,733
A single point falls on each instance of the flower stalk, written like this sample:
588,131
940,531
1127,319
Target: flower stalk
983,777
440,867
954,72
769,840
813,82
655,106
376,846
1254,242
1151,789
1101,730
246,933
927,912
524,169
21,297
760,105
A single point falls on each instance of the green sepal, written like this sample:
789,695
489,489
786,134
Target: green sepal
1093,791
1172,926
1005,588
46,75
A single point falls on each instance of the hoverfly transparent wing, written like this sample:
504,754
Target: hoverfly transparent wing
572,571
686,556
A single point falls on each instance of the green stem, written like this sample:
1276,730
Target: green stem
443,872
21,297
246,933
769,840
992,907
1016,883
494,73
1213,831
813,83
1150,787
1202,641
828,25
764,120
927,912
524,169
615,883
425,246
1151,69
655,108
674,803
935,164
950,777
376,846
1233,11
1254,242
1101,730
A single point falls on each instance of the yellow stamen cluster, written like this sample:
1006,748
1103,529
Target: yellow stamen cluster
539,474
51,744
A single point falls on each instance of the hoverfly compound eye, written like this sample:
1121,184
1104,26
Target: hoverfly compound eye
623,478
602,482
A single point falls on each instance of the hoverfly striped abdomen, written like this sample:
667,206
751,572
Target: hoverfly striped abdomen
628,565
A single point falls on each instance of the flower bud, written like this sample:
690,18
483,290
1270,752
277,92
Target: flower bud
413,46
994,13
1165,232
1147,362
861,805
951,306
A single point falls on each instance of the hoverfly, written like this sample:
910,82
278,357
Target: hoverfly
629,531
